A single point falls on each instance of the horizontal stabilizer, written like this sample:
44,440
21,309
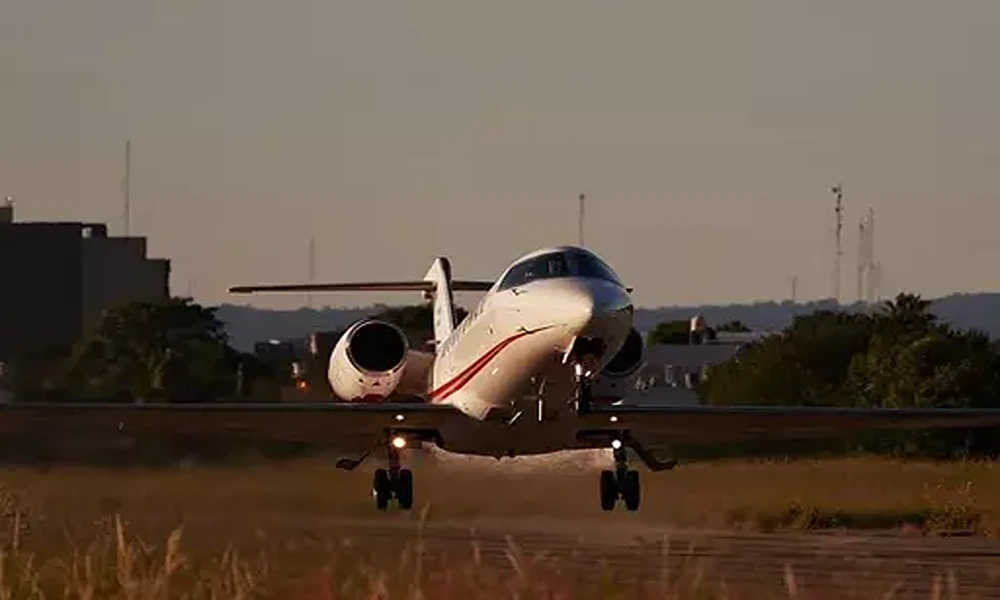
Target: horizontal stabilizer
366,286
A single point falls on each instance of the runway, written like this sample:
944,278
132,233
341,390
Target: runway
538,518
828,565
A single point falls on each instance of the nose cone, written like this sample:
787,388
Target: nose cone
578,307
586,304
596,309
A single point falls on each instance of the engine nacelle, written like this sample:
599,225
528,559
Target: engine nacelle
618,378
368,361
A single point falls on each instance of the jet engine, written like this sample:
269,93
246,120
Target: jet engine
368,361
617,379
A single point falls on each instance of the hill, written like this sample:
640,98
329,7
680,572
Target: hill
247,325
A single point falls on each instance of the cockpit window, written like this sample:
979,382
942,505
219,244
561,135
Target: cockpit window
547,266
588,265
558,264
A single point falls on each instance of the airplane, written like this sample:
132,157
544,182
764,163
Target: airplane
540,365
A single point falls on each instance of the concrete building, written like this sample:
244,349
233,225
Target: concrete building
57,279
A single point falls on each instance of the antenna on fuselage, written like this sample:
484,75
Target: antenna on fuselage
580,231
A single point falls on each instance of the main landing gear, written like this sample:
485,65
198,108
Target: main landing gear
393,482
621,483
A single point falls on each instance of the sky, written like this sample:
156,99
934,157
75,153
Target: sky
705,134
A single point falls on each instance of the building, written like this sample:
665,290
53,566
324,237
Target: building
57,279
672,371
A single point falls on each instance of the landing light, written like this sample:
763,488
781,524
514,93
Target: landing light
616,444
399,417
614,419
399,442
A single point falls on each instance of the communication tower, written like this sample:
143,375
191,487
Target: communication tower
127,187
868,269
311,270
838,193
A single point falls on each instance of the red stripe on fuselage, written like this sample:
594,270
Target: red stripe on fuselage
459,381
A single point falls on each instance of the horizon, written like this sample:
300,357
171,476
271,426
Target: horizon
458,302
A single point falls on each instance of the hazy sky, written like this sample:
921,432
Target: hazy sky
706,135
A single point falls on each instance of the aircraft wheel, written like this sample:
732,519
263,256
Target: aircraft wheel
381,489
631,491
609,490
404,489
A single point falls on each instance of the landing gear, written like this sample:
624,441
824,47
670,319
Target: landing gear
584,396
393,482
388,484
621,483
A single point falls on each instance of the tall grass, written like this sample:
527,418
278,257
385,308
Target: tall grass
116,564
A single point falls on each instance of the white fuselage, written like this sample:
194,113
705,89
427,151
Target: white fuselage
518,335
510,355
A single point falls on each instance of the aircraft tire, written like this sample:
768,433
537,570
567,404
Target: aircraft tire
631,490
609,490
381,489
404,489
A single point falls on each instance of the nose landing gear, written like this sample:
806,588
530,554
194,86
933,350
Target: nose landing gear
584,385
585,354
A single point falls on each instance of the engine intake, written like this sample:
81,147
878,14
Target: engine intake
618,378
629,358
368,361
377,347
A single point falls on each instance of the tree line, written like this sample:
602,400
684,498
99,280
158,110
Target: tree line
175,350
898,356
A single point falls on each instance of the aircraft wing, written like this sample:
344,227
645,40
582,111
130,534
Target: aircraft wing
458,285
705,425
338,425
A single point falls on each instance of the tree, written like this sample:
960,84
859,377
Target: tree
670,332
900,357
907,312
174,350
733,327
805,365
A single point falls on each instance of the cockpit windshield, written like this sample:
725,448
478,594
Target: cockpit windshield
546,266
566,263
588,265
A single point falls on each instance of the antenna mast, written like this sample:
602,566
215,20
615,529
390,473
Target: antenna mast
838,192
128,184
871,266
580,232
862,258
312,269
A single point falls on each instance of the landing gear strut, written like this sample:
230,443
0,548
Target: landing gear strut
393,482
621,483
584,390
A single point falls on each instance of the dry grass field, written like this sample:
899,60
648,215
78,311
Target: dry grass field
525,528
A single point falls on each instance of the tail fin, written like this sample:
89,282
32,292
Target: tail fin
444,304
